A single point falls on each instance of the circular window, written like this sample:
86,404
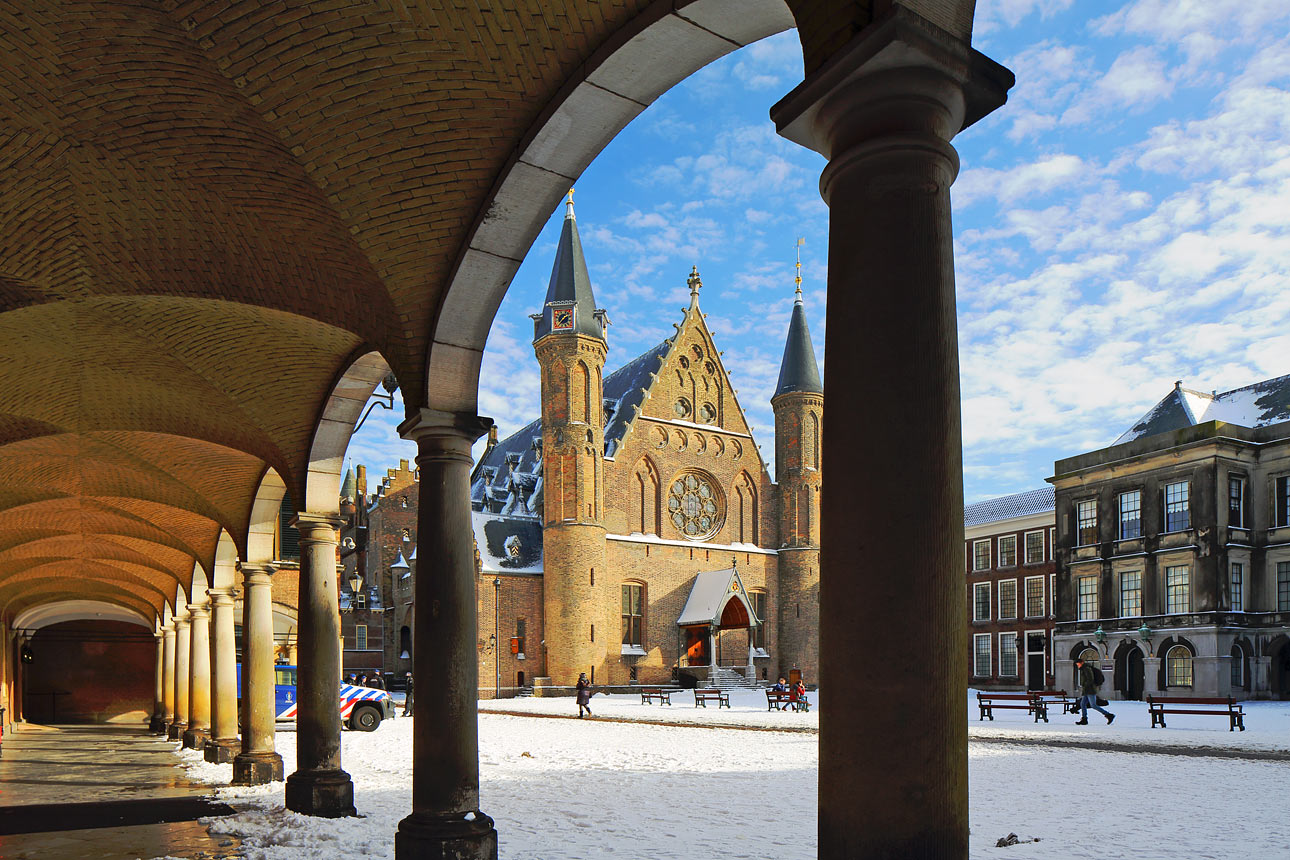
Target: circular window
707,413
681,408
694,506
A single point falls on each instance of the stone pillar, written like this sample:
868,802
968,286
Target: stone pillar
224,743
199,683
445,820
257,762
157,725
1151,676
319,786
183,657
883,111
168,674
1260,685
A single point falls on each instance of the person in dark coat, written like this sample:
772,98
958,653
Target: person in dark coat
1088,699
407,703
377,681
584,695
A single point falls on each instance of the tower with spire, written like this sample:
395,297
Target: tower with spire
798,403
569,341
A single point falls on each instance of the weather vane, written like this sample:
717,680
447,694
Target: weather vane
801,240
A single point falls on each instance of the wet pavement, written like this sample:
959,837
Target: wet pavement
101,793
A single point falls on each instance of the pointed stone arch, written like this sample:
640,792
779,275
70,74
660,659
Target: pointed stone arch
580,392
645,497
745,496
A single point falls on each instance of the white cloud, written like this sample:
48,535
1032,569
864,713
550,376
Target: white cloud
992,15
1053,172
1137,79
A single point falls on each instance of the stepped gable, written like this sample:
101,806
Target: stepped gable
1257,405
1009,507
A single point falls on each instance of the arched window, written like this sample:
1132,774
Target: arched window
804,514
405,642
1178,667
1238,667
746,498
813,434
580,394
758,600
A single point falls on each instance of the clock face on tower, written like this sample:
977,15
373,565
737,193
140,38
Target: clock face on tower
562,318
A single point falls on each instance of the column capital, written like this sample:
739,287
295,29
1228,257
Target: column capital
892,62
436,430
199,610
249,569
318,526
181,623
221,596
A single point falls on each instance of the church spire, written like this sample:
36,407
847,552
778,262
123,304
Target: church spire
798,370
570,305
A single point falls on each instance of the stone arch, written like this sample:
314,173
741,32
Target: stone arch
263,522
811,441
645,497
224,571
653,52
71,610
333,429
580,393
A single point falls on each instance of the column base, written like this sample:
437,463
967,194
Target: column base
257,768
196,739
222,751
175,731
323,793
157,726
424,836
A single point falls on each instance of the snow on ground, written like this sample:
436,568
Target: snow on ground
565,789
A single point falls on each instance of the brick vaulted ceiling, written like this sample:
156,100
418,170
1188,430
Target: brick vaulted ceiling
207,210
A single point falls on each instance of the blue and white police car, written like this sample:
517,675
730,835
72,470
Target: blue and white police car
361,708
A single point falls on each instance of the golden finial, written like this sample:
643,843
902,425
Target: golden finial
569,204
801,240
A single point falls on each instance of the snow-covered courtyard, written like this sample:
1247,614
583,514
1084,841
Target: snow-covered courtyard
719,784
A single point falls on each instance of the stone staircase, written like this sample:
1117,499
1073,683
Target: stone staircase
723,678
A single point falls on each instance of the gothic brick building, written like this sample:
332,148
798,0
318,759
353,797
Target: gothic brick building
633,532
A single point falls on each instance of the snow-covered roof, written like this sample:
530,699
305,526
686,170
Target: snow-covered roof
507,544
711,591
1257,405
1009,507
624,389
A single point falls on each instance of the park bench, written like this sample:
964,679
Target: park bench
664,696
702,697
1028,702
776,700
1069,704
1158,706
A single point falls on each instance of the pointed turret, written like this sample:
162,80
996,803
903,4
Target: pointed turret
570,305
349,487
798,371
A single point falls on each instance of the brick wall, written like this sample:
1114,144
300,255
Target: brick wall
101,671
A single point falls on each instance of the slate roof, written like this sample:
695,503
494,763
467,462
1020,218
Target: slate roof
1257,405
624,389
710,593
570,285
507,544
798,370
1008,507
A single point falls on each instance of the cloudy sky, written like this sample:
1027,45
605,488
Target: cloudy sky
1120,224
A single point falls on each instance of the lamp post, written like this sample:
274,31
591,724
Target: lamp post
1145,633
497,621
1100,635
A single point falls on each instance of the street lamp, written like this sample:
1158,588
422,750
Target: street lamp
1145,633
497,620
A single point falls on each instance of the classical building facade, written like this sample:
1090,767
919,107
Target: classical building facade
633,532
1174,548
1009,544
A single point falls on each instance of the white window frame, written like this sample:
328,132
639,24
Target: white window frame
976,587
1026,589
1122,607
1171,680
999,550
360,637
1079,528
1000,610
1010,648
1079,598
1052,544
1120,510
1236,586
1283,586
1025,542
1181,505
988,555
1242,501
1172,606
977,639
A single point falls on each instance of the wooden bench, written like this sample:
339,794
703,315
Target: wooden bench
1158,706
664,696
1028,702
702,697
1069,704
776,700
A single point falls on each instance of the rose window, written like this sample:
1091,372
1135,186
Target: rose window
694,506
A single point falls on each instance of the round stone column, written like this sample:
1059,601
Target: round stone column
223,745
157,725
168,675
893,739
183,655
445,820
319,786
257,762
199,677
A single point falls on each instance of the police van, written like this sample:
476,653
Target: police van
361,708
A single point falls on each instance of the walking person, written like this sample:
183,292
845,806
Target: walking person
1088,682
584,695
407,703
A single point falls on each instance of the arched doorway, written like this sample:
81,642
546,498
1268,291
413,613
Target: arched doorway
1130,672
1279,670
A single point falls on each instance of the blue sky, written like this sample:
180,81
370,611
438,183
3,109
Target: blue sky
1120,224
